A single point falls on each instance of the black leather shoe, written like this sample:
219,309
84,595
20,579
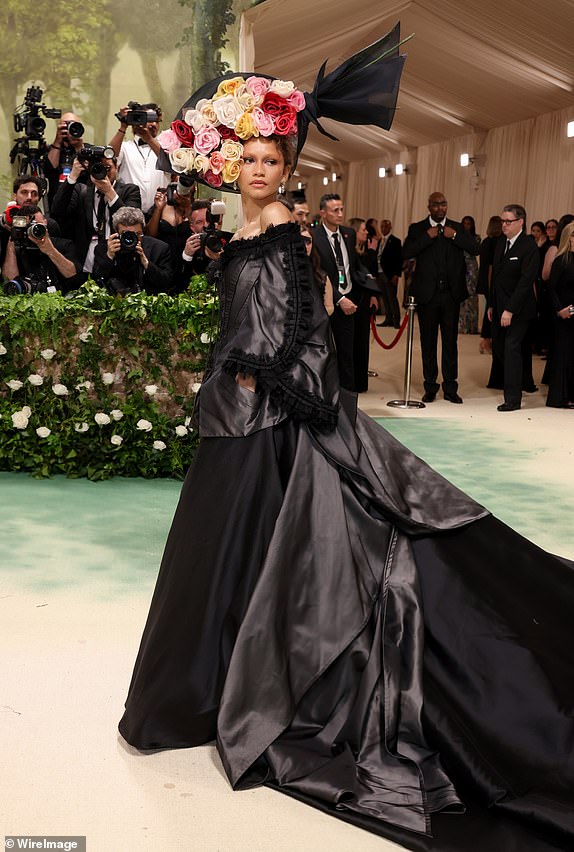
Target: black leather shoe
530,389
453,397
429,397
507,407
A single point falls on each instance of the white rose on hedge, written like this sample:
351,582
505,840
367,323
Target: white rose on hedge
14,384
159,445
87,385
85,336
116,440
101,418
180,431
81,427
116,414
60,390
43,431
3,349
205,338
151,390
108,378
27,410
48,354
144,426
195,387
35,380
19,420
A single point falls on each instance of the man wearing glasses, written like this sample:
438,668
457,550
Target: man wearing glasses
512,301
438,245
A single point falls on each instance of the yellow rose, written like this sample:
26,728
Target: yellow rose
229,87
230,172
246,127
231,151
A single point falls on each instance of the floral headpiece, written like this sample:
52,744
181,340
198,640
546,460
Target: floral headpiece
207,141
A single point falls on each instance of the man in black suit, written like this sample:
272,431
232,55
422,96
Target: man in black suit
389,267
129,262
85,211
512,304
350,319
438,285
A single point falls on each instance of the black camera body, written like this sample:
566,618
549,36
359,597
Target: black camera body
23,229
93,156
211,239
27,117
183,187
129,241
136,115
28,285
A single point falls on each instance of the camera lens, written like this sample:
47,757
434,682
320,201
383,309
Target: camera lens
13,288
75,129
37,230
98,171
129,240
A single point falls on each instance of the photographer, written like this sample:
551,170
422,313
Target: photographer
137,157
170,222
26,189
58,162
197,254
36,262
130,262
85,211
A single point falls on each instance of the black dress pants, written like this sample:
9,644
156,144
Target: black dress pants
352,340
507,347
441,312
390,301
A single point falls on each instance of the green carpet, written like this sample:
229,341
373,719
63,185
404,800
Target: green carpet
107,537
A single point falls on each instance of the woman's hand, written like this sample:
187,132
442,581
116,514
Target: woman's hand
247,382
565,312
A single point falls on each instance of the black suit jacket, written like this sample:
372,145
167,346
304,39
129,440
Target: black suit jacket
157,278
391,257
73,209
426,250
513,277
329,264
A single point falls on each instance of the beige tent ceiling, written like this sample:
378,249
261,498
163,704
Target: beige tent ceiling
470,66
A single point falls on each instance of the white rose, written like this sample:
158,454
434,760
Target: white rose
195,118
201,163
108,378
187,421
60,390
87,385
180,431
228,110
116,440
48,354
144,426
35,380
205,338
14,384
195,387
43,431
81,427
101,418
27,410
19,420
85,336
151,390
182,160
159,445
3,349
283,88
116,414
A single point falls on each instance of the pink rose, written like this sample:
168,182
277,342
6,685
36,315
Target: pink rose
297,100
286,123
212,179
258,87
206,139
216,162
263,122
168,140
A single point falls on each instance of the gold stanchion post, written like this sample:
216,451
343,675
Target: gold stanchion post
406,402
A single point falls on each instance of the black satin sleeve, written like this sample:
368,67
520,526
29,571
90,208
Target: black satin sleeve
274,327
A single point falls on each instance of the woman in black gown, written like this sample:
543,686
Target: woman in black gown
322,608
561,295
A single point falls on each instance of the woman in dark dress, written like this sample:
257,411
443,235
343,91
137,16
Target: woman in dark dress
561,295
322,609
486,258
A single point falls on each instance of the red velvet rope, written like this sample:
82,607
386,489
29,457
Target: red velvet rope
397,337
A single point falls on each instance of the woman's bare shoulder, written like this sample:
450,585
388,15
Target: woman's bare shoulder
275,214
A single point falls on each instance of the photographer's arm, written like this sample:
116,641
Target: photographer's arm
10,268
119,136
152,227
65,267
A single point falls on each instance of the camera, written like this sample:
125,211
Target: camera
129,241
11,210
211,237
93,156
440,229
136,116
23,229
28,285
183,187
75,129
27,117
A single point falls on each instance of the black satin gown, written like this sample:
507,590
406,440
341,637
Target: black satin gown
349,627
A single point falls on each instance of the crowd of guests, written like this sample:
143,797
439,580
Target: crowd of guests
108,212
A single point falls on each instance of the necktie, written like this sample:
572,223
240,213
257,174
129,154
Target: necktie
343,284
101,217
507,247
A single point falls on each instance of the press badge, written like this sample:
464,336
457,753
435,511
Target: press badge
341,275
